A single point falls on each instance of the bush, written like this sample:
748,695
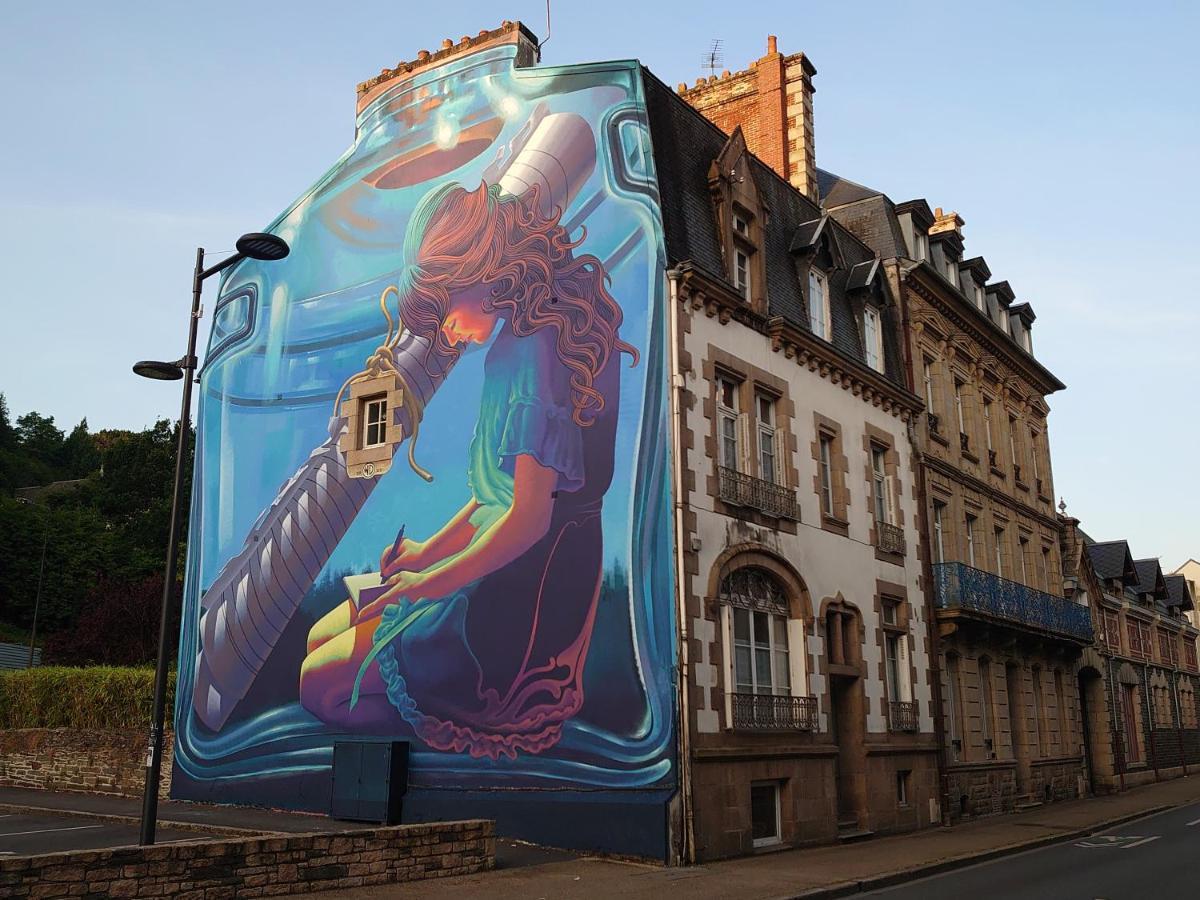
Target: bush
97,697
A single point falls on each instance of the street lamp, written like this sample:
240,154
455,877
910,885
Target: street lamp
257,245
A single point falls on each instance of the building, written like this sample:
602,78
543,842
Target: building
1190,571
809,710
1009,640
1145,654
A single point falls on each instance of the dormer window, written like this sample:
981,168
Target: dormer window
921,245
740,225
952,271
872,338
741,272
818,305
979,299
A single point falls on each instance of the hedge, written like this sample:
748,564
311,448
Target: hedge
94,697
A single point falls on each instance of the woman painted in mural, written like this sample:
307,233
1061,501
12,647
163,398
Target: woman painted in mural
479,643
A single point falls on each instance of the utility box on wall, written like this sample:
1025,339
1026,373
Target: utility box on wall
370,779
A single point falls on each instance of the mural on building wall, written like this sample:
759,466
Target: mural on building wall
431,491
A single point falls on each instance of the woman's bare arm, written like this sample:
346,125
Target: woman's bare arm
522,525
451,538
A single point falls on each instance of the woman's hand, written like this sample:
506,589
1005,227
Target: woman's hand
402,585
409,557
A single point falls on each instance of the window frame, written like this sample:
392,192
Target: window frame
777,837
374,415
873,338
818,287
728,415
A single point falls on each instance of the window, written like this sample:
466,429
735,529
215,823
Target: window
727,423
760,653
927,377
952,271
1046,584
374,419
971,520
985,705
1060,712
881,486
740,225
764,813
818,305
902,787
939,547
1039,712
1129,723
954,698
769,467
895,640
826,466
1033,452
741,272
978,290
873,338
921,240
958,406
1023,553
1000,539
987,421
1012,446
1111,625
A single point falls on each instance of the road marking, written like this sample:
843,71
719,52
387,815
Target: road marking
1154,837
1196,822
47,830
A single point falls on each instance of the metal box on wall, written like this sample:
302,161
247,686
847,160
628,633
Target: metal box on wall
370,779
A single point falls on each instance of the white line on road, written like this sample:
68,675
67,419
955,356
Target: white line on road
47,830
1196,822
1146,840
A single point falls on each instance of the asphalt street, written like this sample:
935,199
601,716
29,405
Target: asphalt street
24,834
1150,857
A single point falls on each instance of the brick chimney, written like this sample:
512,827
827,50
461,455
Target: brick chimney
507,33
946,221
772,101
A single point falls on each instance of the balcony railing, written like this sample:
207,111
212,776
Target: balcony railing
964,442
935,422
738,489
772,713
959,586
889,538
993,459
903,715
1016,471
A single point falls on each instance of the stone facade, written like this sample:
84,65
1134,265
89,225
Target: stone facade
258,867
71,759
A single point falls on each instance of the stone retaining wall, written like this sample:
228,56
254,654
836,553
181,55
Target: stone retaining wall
68,759
257,867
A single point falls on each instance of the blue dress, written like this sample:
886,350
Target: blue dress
497,667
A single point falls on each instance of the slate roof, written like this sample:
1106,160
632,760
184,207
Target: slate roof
685,145
1178,593
1111,559
1149,576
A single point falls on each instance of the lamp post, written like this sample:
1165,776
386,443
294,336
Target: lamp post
249,246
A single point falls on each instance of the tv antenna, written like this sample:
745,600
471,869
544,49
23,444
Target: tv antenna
714,60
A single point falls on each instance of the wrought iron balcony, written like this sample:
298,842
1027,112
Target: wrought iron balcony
964,442
935,422
1016,471
769,712
738,489
889,538
903,715
961,587
993,459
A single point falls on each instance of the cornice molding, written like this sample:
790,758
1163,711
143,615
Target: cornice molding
700,291
978,484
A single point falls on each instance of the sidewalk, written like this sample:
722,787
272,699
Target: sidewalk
823,872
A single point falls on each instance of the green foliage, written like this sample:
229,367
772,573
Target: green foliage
104,533
99,697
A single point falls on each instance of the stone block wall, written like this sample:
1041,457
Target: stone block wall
258,867
982,790
67,759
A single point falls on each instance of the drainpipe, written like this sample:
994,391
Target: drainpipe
678,507
1150,716
1178,720
935,643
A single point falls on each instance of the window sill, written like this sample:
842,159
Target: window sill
999,473
968,455
836,525
1022,485
1044,498
940,438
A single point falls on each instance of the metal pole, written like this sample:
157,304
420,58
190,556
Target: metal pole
37,603
154,754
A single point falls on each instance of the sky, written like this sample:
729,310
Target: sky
1064,134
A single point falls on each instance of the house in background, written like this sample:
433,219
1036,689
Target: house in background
1190,572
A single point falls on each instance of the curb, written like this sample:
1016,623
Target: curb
899,876
229,830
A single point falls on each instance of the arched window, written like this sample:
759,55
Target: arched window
765,669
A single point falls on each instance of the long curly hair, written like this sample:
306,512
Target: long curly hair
466,238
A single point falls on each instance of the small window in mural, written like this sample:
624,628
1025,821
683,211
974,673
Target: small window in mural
374,420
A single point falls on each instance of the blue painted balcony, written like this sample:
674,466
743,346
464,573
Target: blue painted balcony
960,590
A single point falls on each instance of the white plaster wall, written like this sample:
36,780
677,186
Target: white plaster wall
829,563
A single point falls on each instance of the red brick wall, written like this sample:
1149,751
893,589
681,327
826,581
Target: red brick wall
68,759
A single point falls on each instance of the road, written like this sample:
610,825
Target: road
1151,857
24,834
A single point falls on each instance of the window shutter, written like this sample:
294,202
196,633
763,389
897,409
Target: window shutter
743,437
782,458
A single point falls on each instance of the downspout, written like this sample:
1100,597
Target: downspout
678,507
935,648
1150,716
1178,720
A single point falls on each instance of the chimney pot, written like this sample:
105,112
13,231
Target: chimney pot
772,45
423,55
725,74
447,43
681,88
462,41
699,81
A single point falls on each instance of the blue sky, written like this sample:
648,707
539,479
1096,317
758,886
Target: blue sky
1065,135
